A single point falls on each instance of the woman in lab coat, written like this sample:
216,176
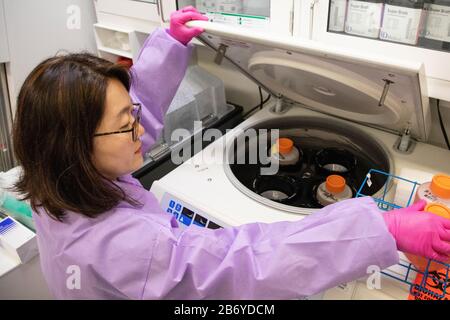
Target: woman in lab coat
79,133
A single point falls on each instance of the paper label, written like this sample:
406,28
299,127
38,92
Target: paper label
206,5
337,15
252,22
401,24
437,25
229,6
364,18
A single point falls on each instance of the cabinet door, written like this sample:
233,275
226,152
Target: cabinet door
141,9
264,15
384,29
4,52
166,7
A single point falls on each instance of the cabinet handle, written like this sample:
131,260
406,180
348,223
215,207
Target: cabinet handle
161,10
291,22
157,8
311,18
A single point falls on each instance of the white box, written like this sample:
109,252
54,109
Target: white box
17,241
401,24
364,18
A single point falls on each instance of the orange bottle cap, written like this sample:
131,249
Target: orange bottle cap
335,183
438,209
285,145
440,186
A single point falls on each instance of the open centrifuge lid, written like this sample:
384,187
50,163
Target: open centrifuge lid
352,85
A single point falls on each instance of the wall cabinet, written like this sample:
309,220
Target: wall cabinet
412,30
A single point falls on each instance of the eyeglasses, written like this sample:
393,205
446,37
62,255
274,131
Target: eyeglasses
137,109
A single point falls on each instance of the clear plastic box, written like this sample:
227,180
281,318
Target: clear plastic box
200,97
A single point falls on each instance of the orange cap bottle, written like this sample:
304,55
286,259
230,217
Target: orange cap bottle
335,183
435,191
334,189
440,186
421,263
284,151
284,145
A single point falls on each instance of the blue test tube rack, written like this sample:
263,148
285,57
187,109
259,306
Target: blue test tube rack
385,204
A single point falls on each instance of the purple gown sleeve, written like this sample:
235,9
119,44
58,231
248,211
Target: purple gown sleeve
283,260
156,75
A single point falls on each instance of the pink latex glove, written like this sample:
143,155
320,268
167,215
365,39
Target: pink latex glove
178,30
421,233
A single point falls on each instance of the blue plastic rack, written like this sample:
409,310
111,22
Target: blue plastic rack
429,278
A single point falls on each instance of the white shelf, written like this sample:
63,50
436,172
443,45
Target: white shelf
112,40
116,52
112,27
133,9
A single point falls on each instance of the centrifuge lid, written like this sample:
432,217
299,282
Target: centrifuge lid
327,79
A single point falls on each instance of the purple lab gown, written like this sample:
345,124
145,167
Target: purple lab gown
140,253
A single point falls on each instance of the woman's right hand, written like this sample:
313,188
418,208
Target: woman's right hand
179,30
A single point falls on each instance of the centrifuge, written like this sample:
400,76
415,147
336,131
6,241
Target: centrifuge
347,112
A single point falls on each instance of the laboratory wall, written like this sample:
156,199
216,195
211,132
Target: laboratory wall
4,54
244,92
40,29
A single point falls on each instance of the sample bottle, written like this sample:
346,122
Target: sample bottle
402,21
285,153
333,190
17,209
338,9
435,191
436,30
437,195
364,18
421,263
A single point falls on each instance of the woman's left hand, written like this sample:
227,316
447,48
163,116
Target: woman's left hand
179,30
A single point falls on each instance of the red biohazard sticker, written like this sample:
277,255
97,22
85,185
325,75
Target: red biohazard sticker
435,288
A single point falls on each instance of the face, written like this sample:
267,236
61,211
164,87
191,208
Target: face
117,154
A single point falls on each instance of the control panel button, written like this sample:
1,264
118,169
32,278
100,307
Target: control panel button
185,220
200,220
186,216
212,225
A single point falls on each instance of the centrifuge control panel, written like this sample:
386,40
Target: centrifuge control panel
185,214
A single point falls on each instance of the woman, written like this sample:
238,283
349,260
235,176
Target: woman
101,235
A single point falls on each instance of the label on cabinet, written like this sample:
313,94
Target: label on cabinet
338,9
364,18
401,24
229,6
437,25
254,22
